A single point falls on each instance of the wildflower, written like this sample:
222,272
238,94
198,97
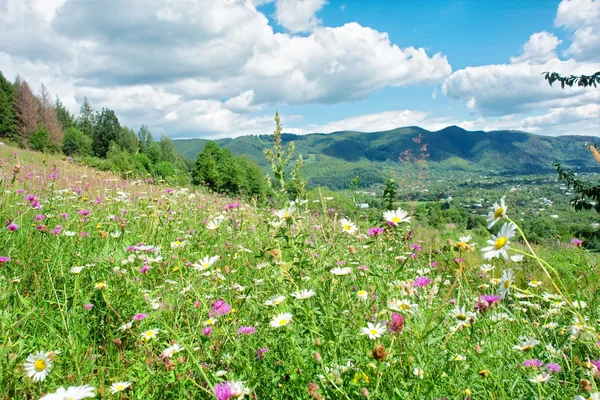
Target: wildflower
516,258
139,317
286,213
172,350
490,298
401,305
397,323
396,217
484,372
505,282
275,301
4,259
374,331
533,363
88,306
500,244
126,327
281,320
340,271
260,353
527,345
553,367
71,393
12,227
535,283
579,304
460,314
459,357
207,330
418,372
119,387
486,268
375,231
220,307
348,226
177,244
421,281
362,295
38,365
541,378
577,242
100,285
246,330
206,263
304,294
498,213
223,391
149,334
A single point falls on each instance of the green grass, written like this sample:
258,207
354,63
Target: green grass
42,303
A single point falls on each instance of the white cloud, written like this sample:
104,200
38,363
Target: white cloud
583,18
298,15
540,48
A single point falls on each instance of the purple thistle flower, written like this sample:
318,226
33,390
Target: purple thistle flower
84,213
57,230
223,391
577,242
207,330
533,363
39,217
553,367
4,259
88,307
421,281
246,330
490,298
260,353
220,307
139,317
396,324
415,246
375,231
12,227
595,363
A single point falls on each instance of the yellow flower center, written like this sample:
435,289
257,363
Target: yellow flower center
462,245
499,212
282,321
395,219
120,388
527,348
461,317
500,243
40,365
404,306
287,214
347,227
506,284
373,331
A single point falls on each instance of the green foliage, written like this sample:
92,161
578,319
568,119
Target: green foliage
87,119
221,172
8,126
106,130
76,143
589,194
127,139
390,194
39,140
65,118
580,80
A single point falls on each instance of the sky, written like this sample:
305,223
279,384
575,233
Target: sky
221,68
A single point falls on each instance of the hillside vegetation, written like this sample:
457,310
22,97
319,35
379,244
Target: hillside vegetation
334,159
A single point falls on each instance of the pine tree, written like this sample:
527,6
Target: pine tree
48,117
106,130
8,126
87,119
65,118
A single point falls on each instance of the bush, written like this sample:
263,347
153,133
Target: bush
76,143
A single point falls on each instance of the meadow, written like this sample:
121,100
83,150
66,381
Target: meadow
133,289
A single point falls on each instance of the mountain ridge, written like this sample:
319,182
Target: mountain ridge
373,155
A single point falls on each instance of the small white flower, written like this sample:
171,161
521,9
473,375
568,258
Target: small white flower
206,263
281,320
396,217
374,331
348,226
275,300
339,271
119,387
362,295
71,393
418,372
498,213
172,350
38,365
304,294
76,270
541,378
150,334
517,258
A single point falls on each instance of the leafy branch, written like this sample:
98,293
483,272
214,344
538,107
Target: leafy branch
580,80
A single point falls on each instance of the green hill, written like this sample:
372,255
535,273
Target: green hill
333,159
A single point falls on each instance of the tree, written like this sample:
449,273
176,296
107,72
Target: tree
75,143
26,108
8,126
106,130
65,118
580,80
127,139
168,150
87,119
144,139
48,117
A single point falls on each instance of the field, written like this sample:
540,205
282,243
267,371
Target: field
144,291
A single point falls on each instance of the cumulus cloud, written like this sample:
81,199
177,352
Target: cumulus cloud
582,17
158,58
298,15
540,48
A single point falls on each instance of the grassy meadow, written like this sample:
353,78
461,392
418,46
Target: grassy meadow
131,289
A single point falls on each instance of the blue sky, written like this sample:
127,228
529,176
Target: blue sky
216,68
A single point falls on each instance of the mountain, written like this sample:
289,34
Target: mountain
333,159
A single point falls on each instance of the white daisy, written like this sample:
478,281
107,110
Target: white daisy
498,213
76,270
119,387
286,213
172,350
486,268
396,217
508,278
517,258
348,226
150,334
205,263
275,300
527,345
401,305
215,223
374,331
341,271
38,365
499,244
71,393
126,326
362,295
281,320
541,378
304,294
